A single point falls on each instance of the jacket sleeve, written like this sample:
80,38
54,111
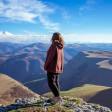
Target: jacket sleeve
50,56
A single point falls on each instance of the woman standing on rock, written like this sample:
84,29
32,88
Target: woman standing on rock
54,64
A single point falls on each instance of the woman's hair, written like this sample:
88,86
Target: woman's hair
57,37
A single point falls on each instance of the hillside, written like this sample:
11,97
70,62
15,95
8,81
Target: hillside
88,67
86,91
71,101
90,93
11,89
7,47
30,60
84,64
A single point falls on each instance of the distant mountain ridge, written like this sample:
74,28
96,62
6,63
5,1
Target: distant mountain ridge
25,64
84,69
84,64
30,60
7,48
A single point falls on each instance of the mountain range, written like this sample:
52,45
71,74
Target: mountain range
84,64
23,64
88,67
28,58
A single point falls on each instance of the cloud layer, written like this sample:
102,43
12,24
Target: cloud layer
27,11
68,38
23,38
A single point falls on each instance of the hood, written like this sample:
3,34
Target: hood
58,44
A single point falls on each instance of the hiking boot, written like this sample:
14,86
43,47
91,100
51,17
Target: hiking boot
50,101
58,100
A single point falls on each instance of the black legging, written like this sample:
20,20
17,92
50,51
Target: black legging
53,82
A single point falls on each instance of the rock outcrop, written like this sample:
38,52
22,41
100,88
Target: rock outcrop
68,104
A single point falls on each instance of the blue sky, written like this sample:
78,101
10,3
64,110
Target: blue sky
77,20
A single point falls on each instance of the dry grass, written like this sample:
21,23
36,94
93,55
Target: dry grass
86,91
11,89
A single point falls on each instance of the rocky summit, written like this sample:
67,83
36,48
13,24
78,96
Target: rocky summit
68,104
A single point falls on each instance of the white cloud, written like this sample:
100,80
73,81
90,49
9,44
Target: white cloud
23,38
27,10
68,38
84,38
48,24
89,4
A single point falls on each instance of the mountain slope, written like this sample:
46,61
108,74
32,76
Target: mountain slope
10,90
86,68
90,93
29,59
93,94
103,98
7,47
85,91
25,64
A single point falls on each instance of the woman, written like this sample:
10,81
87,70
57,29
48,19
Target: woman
54,64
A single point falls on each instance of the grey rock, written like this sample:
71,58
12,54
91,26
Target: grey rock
83,107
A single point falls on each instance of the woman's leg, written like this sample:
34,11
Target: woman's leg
53,83
57,81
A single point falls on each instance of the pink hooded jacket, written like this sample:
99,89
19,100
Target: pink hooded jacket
55,58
